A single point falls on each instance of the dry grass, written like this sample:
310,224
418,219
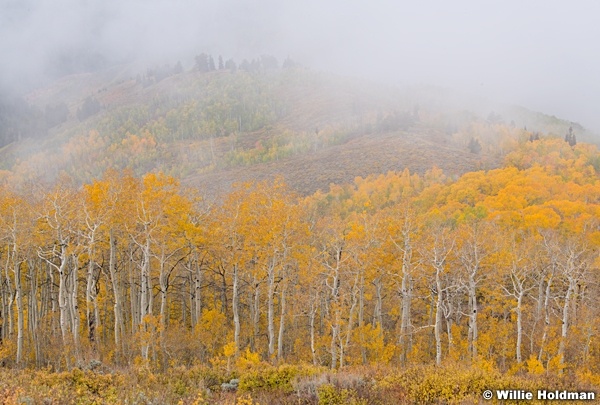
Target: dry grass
360,156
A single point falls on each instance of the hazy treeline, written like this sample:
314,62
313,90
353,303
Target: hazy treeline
20,120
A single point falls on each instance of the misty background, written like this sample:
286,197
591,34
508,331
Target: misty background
539,54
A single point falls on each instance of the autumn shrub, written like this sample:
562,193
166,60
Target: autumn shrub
183,380
331,395
95,386
326,386
9,396
447,386
67,387
7,350
456,384
280,378
178,383
10,390
450,384
285,384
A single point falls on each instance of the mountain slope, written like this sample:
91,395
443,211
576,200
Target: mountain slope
215,128
360,156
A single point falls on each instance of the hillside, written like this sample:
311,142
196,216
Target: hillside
214,128
360,156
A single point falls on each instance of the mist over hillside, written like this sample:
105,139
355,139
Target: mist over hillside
220,121
75,75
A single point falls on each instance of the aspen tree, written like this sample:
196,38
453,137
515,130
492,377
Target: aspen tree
438,243
60,222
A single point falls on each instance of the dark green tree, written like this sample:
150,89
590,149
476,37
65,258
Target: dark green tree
202,63
474,146
90,106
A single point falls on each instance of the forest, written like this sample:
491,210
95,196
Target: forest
396,287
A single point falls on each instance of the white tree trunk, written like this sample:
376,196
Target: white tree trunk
281,326
144,294
20,316
271,309
312,314
438,316
236,315
118,306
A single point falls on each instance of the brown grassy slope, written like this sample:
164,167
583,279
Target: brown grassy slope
418,150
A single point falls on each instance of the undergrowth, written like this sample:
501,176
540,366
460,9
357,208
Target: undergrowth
285,384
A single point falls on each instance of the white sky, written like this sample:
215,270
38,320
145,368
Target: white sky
544,55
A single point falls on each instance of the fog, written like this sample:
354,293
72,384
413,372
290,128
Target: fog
539,54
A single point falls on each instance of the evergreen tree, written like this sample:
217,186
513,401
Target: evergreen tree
90,107
231,65
474,146
202,63
570,137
